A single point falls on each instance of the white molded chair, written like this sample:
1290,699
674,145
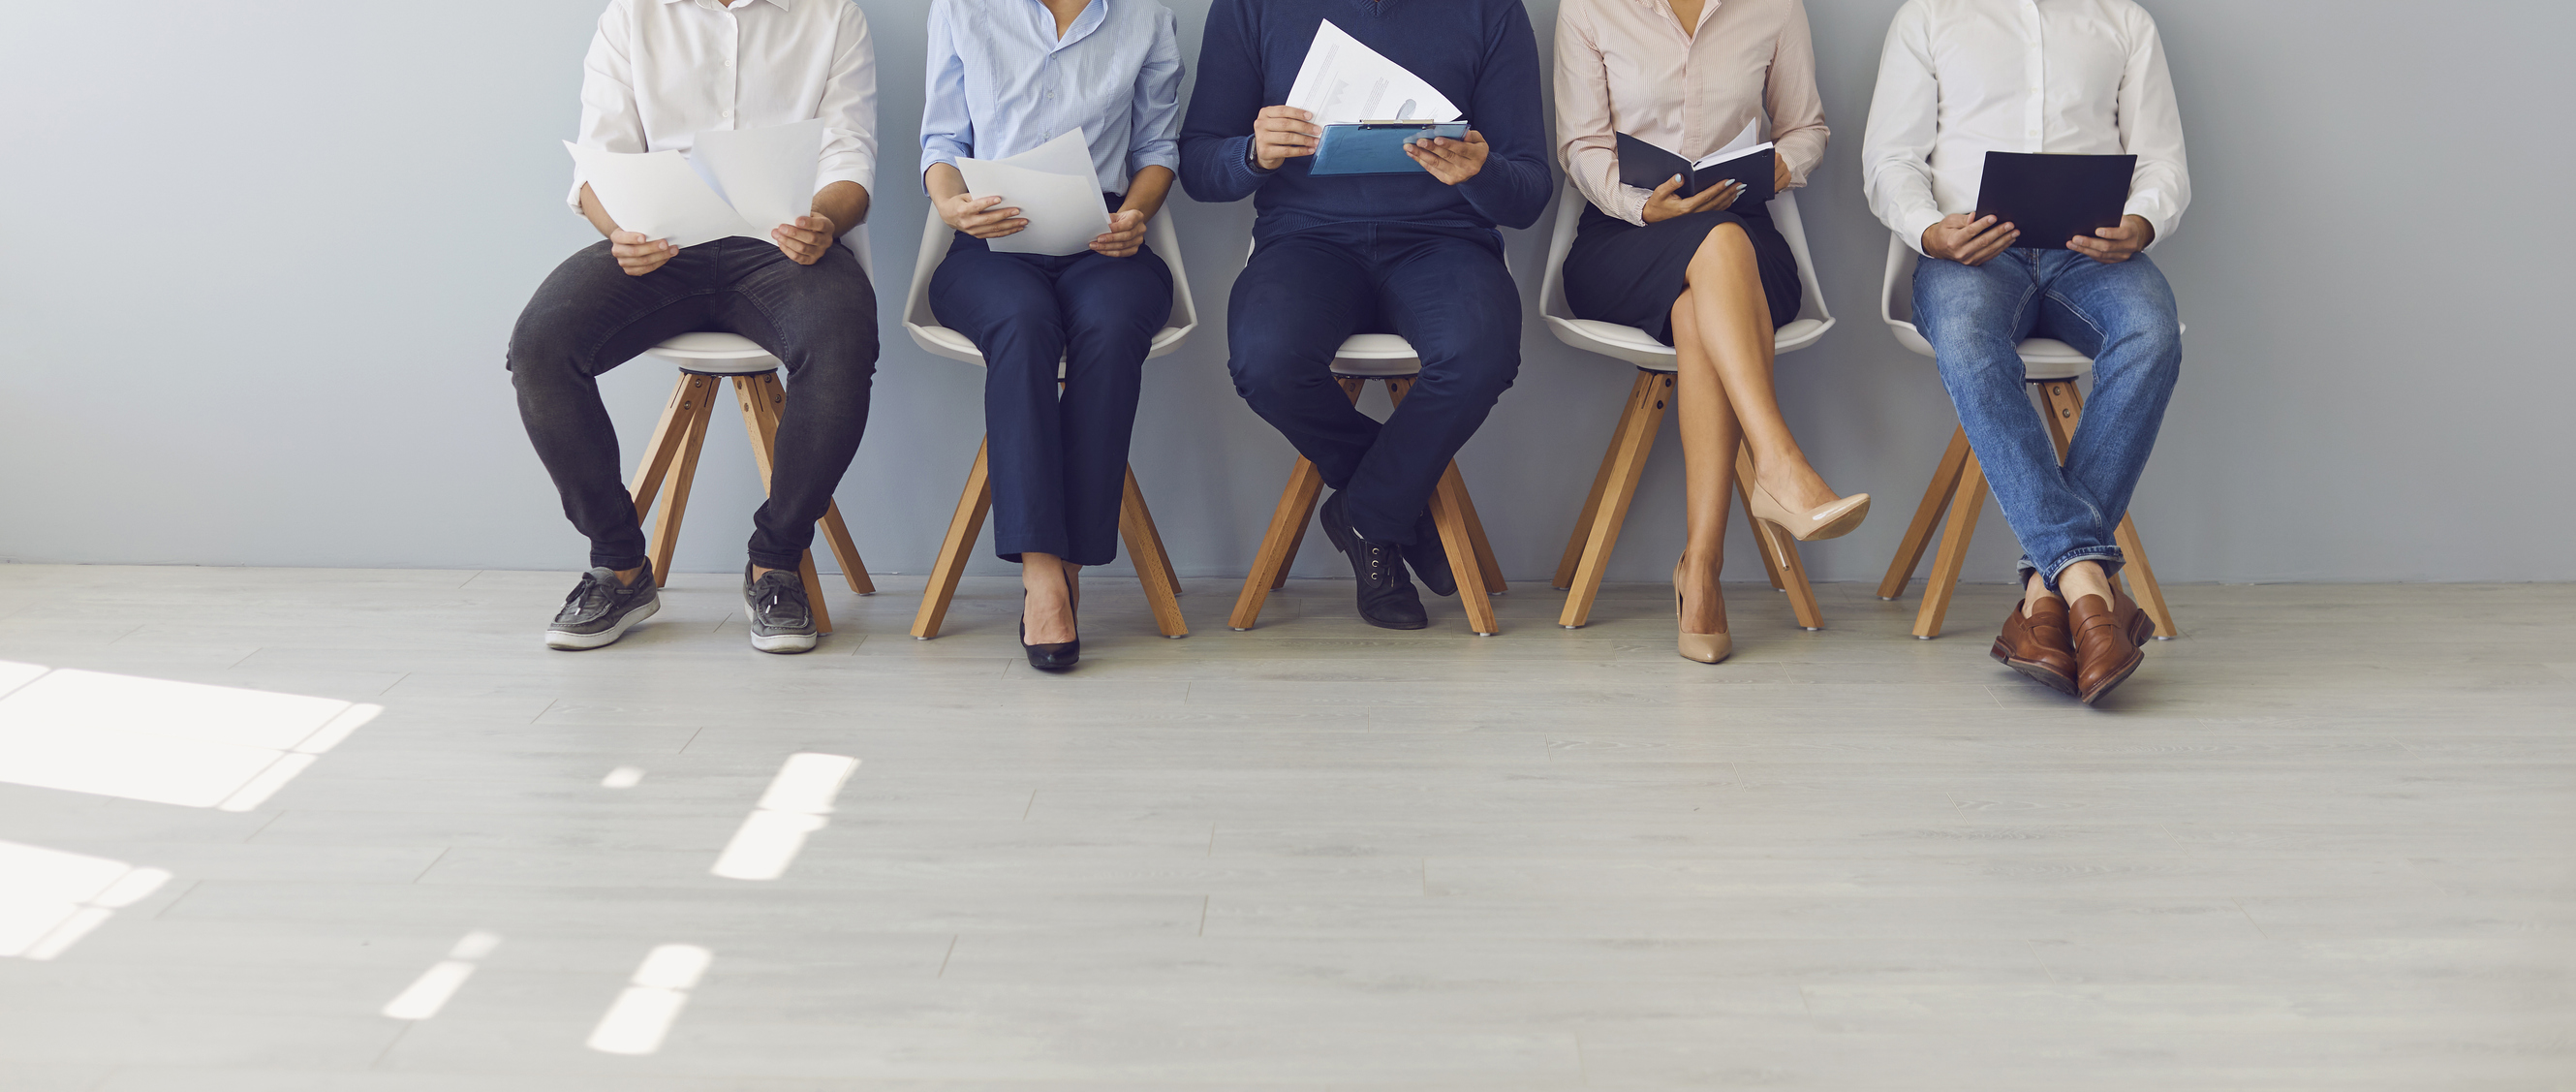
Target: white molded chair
1959,484
670,464
1135,521
1391,359
1596,530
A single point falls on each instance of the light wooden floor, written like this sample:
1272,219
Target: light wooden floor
2326,841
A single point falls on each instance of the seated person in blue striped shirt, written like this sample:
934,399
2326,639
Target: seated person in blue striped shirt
1004,77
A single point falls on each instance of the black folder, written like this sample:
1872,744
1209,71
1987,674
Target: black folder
1646,166
2054,198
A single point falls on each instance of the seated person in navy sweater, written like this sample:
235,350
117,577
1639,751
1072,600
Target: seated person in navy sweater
1414,254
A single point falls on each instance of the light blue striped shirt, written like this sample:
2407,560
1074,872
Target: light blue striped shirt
1000,83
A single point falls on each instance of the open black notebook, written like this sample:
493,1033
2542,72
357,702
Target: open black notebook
2054,198
1646,166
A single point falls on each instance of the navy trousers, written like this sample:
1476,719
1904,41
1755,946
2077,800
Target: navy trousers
1444,289
1058,461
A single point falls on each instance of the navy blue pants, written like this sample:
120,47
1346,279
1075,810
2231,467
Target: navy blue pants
1444,289
1058,461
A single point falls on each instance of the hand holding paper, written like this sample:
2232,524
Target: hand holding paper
744,183
1053,188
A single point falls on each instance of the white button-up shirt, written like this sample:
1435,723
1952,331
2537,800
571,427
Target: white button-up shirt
662,71
1960,78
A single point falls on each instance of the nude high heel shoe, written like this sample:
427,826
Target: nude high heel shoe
1833,519
1707,648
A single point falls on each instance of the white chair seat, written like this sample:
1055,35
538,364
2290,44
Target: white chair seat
709,353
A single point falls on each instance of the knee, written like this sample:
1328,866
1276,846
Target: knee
1725,242
543,353
1265,375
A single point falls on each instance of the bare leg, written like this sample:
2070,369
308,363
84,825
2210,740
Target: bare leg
1710,436
2082,579
1734,332
2035,593
1048,611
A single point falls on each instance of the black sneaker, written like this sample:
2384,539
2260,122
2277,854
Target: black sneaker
599,609
775,606
1428,558
1387,598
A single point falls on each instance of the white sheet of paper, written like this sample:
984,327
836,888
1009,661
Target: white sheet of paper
656,193
1054,188
1342,81
766,174
1747,141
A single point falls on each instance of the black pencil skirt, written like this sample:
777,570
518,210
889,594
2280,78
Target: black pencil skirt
1620,272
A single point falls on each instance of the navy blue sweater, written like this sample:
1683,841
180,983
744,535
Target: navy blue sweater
1480,53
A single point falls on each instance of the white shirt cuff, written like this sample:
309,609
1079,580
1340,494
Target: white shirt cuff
1912,224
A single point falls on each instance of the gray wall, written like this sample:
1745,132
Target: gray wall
261,260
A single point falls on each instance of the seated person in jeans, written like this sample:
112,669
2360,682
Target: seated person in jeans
1960,78
660,72
1414,254
1006,76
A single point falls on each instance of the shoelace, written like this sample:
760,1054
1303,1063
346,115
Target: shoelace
769,595
591,593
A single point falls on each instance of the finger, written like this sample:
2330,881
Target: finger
1666,190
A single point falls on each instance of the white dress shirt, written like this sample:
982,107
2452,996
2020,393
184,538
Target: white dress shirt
1001,82
662,71
1961,78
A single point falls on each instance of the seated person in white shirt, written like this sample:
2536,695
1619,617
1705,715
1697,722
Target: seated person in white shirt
659,72
1960,78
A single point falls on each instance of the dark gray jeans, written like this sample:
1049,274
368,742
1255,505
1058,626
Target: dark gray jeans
819,320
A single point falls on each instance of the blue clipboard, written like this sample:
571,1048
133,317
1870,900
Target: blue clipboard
1377,147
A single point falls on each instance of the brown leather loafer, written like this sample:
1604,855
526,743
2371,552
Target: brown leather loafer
2105,653
2038,645
2133,616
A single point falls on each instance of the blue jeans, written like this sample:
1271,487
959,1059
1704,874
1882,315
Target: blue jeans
1445,289
2123,317
1058,461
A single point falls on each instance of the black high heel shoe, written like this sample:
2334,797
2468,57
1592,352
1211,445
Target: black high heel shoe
1055,657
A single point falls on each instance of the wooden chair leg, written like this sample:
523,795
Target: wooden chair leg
1153,566
1279,544
675,489
760,424
1449,514
1927,515
963,525
1763,533
1489,568
1966,505
1581,537
1245,612
771,397
2065,410
1779,552
668,433
1629,448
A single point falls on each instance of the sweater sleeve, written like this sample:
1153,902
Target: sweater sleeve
1513,188
1217,132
